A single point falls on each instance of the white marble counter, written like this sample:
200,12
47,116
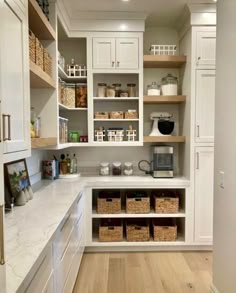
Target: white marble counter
28,229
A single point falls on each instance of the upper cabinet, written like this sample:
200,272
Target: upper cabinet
14,83
205,106
206,49
115,53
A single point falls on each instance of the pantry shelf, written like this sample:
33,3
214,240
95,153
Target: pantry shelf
116,99
116,120
39,78
63,107
164,99
38,22
163,61
63,75
120,143
172,139
43,142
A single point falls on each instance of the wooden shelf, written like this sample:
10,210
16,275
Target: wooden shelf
78,79
63,107
39,78
163,61
116,99
164,99
164,138
116,120
43,142
39,24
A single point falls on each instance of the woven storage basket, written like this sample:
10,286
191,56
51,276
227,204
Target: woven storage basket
131,115
166,201
32,46
69,96
47,62
101,115
109,202
39,53
110,230
137,230
116,115
137,202
164,230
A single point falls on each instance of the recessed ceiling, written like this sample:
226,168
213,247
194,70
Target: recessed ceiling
159,12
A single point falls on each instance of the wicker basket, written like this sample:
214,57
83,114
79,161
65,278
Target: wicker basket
110,230
131,115
109,202
117,115
32,44
164,230
137,202
47,62
39,53
101,115
166,201
137,230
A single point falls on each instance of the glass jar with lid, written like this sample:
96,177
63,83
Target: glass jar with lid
102,90
116,168
104,169
131,89
153,89
117,87
169,85
110,93
128,169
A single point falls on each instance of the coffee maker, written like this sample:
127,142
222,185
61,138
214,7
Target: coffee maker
163,162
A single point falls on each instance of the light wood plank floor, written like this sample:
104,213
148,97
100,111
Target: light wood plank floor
151,272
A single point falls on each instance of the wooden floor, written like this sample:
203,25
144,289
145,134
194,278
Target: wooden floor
152,272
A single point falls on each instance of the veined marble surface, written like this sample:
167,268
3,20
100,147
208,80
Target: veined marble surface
28,229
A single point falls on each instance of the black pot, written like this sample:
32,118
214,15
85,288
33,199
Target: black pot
166,127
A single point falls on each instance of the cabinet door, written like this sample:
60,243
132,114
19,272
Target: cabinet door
206,49
127,53
205,106
14,83
204,174
103,53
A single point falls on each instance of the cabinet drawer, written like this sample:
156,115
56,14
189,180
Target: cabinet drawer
79,229
64,264
49,286
79,206
42,275
62,236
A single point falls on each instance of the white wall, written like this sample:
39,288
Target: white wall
224,259
34,165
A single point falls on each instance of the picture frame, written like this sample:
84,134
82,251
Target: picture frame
16,177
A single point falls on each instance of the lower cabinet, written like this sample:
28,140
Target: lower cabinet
204,175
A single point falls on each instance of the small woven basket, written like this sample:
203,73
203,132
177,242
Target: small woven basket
109,203
110,230
137,202
47,62
39,53
166,201
137,230
164,229
32,46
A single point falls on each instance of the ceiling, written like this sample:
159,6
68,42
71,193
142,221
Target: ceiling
158,12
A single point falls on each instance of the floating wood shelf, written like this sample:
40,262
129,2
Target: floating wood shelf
63,107
164,138
116,99
39,78
38,22
163,61
43,142
116,120
62,74
164,99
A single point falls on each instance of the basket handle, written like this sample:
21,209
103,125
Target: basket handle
111,228
165,227
108,199
137,228
138,199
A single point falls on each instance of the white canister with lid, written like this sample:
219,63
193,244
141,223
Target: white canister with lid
128,169
104,169
116,168
169,85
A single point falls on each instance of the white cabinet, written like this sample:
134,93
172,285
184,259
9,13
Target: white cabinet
205,106
14,82
204,174
115,53
206,49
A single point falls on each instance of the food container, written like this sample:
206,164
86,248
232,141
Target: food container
169,85
69,96
153,89
117,89
116,168
81,97
102,90
115,134
100,134
74,136
128,169
131,89
124,93
110,92
104,169
63,130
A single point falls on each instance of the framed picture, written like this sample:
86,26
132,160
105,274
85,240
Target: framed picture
16,177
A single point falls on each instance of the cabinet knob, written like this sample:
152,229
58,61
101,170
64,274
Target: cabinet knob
113,63
118,63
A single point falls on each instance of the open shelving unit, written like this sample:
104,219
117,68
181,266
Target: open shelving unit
65,77
65,108
164,99
43,142
39,78
163,61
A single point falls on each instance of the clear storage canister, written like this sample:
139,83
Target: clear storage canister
102,90
116,168
104,169
153,89
128,169
131,89
111,92
117,87
169,85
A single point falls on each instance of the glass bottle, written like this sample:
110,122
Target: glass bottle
37,127
74,165
68,163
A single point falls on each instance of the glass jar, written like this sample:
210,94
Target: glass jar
153,89
102,90
116,168
37,127
117,87
131,89
104,169
169,85
128,169
111,92
124,94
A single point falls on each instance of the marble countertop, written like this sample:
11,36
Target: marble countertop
28,229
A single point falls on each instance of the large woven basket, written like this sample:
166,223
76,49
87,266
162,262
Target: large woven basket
166,201
110,230
39,53
137,230
109,202
137,202
32,46
164,229
47,62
